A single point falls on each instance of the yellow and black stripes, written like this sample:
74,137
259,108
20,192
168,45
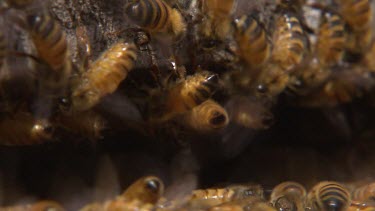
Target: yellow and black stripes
290,42
331,39
105,75
329,196
252,41
155,16
288,196
193,91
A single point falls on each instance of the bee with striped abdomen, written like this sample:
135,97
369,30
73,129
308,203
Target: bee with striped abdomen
290,41
186,94
156,16
104,75
331,43
329,196
288,196
252,41
207,117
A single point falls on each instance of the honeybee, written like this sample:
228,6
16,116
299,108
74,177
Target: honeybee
364,193
217,24
331,39
50,42
146,189
290,42
252,40
187,94
207,117
156,16
358,15
21,128
329,195
250,203
206,198
87,124
104,76
141,195
288,196
38,206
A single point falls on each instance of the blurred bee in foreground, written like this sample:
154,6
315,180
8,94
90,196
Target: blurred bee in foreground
104,76
358,15
329,196
250,203
21,128
364,193
38,206
87,124
141,195
206,198
288,196
156,16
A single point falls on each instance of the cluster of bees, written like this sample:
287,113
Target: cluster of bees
147,193
218,68
207,69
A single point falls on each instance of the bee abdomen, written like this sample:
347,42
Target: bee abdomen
105,75
252,40
49,39
329,196
331,39
156,16
290,41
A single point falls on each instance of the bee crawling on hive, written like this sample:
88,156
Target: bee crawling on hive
104,76
289,196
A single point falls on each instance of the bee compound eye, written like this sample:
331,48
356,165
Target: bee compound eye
153,185
262,88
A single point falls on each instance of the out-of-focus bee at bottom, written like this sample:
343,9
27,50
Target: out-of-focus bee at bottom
250,203
143,194
288,196
21,128
206,198
37,206
329,195
342,86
